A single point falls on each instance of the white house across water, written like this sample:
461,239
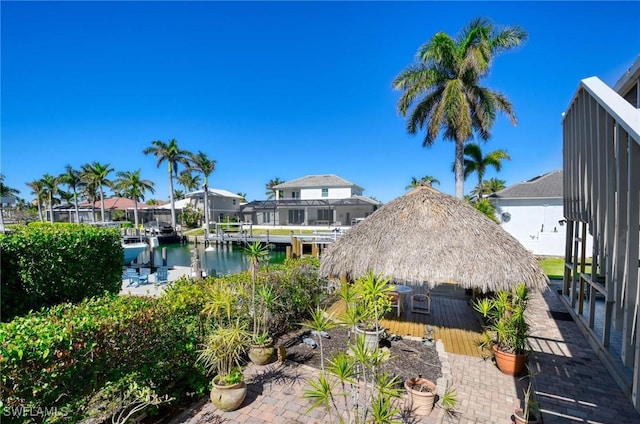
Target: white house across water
312,200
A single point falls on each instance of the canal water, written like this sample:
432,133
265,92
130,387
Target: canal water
222,260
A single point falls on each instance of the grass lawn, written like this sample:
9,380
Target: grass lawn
554,267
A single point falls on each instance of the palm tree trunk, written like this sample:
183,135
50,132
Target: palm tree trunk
102,202
40,211
480,175
206,209
458,169
173,206
75,201
135,213
51,207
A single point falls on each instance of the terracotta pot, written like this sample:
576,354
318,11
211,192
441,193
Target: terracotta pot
261,354
510,363
421,402
371,337
518,417
228,397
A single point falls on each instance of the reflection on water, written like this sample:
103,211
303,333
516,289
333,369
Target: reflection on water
222,260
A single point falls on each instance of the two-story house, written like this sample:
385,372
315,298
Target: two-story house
312,200
223,204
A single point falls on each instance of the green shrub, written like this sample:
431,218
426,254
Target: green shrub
47,264
66,356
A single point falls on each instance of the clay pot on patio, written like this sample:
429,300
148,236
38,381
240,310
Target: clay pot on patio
422,393
510,363
228,397
518,417
261,354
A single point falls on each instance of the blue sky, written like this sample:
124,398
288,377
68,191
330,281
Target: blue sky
280,89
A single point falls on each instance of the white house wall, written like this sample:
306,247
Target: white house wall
535,225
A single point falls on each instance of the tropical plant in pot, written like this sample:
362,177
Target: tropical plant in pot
261,348
222,355
529,413
366,303
507,331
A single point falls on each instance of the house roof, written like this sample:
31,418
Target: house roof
309,181
215,192
543,186
119,203
178,204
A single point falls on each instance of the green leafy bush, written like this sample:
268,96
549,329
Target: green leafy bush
65,356
46,264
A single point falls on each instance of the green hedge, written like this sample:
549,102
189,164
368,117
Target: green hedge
63,359
47,264
74,361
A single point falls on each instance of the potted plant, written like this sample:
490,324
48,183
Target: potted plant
507,331
529,414
261,349
222,355
366,304
422,394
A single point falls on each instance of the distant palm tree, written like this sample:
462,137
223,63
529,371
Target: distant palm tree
493,185
201,163
134,188
67,198
427,179
243,195
271,192
90,192
178,194
474,161
189,181
71,178
445,92
38,190
50,185
173,155
96,174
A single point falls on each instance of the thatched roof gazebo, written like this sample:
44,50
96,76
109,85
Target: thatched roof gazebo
428,237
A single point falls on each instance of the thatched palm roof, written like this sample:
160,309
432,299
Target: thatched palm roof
430,237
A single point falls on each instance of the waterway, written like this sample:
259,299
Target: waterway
221,260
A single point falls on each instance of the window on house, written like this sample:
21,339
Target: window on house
266,217
234,201
296,216
325,215
325,192
295,194
280,194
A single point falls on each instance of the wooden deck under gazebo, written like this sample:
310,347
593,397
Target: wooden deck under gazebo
452,318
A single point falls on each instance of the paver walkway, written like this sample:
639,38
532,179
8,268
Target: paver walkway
571,384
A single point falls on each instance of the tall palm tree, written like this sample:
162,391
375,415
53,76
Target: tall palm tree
50,185
189,181
201,163
243,196
442,92
96,174
38,190
173,155
134,188
71,177
474,161
427,179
